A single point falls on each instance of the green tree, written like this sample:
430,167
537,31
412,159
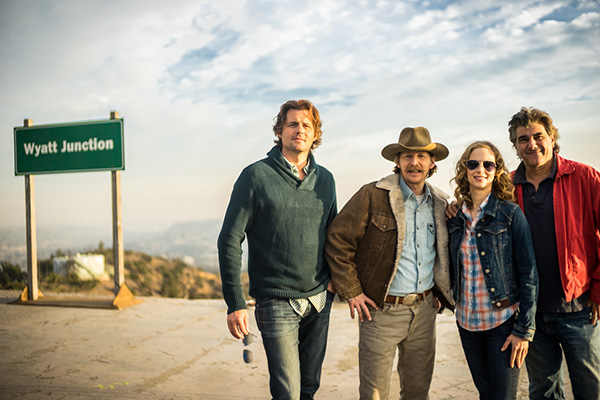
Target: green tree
12,276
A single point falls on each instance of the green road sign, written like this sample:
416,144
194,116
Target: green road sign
73,147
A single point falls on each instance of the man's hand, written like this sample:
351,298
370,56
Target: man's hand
237,322
595,311
437,304
360,304
452,210
520,347
331,287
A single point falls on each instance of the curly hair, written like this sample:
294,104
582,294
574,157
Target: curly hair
313,114
529,116
501,186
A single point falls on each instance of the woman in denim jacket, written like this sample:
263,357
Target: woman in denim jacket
493,272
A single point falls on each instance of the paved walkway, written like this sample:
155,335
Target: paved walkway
176,349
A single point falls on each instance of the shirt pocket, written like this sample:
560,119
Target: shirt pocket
430,235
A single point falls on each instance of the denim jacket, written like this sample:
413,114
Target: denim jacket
507,259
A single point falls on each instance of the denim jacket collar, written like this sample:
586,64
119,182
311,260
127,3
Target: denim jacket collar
490,209
492,206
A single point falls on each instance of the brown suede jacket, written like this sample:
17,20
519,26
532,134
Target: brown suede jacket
364,242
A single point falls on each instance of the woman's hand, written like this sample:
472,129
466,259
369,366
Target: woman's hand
519,346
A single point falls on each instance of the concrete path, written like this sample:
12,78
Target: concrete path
177,349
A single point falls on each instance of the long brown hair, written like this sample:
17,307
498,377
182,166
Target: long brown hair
501,186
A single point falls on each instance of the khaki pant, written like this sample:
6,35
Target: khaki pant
412,331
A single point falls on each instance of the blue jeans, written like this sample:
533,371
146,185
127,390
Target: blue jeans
490,367
573,334
295,346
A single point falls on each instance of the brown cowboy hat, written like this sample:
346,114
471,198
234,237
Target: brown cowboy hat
414,139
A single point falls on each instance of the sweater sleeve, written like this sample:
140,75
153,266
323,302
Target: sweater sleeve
238,219
333,210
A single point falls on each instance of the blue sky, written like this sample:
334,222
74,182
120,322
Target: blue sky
199,82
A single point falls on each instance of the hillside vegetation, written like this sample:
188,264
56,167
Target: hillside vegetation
145,275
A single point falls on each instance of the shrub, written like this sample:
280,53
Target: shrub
12,276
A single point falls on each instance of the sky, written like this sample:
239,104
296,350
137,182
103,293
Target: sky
198,84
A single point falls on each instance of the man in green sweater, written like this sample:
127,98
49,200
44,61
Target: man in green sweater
283,204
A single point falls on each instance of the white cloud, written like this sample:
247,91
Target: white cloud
198,84
587,20
529,17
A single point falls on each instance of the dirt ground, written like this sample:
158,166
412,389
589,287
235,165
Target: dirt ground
177,349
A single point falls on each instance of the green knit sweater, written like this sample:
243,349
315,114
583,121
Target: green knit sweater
285,220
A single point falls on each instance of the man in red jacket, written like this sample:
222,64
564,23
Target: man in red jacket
561,200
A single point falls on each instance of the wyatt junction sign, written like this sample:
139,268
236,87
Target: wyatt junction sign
72,147
83,146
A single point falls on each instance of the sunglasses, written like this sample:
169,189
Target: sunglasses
247,353
474,164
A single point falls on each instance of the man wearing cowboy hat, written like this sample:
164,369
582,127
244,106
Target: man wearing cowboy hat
388,255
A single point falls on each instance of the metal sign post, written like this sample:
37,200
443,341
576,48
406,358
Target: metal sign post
32,271
118,252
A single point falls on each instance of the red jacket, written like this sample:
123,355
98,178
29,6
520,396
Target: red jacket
577,223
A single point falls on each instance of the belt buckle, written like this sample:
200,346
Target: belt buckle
410,299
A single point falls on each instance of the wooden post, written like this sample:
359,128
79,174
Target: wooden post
118,253
32,267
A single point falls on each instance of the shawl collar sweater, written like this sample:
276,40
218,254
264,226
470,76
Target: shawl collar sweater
285,220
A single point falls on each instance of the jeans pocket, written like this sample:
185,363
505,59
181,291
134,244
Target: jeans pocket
265,301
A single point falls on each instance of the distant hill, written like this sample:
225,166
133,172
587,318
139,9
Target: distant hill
194,242
145,275
163,277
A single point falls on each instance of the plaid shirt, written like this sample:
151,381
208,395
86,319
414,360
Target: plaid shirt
474,311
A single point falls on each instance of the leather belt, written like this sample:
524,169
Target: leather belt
408,300
498,305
